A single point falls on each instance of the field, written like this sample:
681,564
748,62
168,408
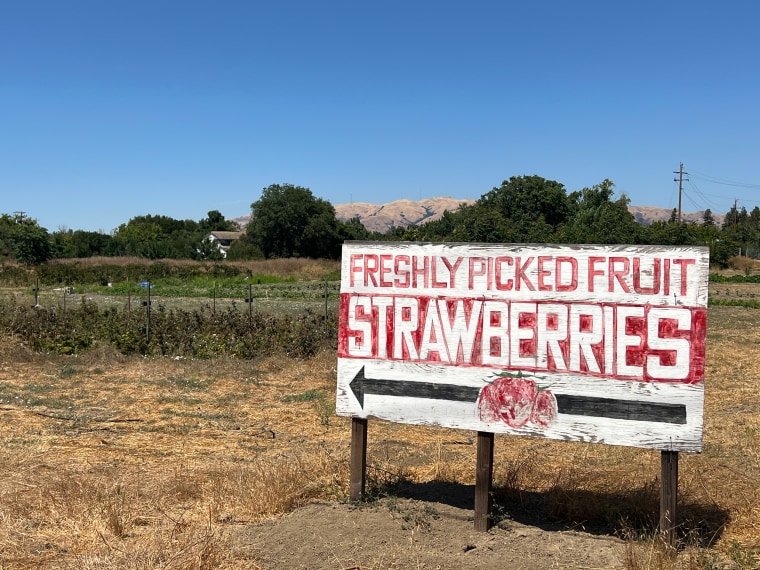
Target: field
112,461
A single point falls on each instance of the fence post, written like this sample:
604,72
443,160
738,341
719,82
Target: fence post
483,481
326,294
250,304
147,325
358,471
668,495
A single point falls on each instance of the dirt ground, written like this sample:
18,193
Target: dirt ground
417,534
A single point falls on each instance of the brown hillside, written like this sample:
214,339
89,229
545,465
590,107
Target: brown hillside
649,214
405,213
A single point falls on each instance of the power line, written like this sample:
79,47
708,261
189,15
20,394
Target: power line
706,198
724,181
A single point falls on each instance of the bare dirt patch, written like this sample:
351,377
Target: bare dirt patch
419,534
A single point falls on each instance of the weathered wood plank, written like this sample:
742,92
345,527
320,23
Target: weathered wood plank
358,474
669,496
660,432
483,481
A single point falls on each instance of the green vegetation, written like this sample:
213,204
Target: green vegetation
750,303
289,221
718,278
175,332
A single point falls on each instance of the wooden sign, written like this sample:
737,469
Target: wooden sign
588,343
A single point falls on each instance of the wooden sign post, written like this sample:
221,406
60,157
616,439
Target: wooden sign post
602,344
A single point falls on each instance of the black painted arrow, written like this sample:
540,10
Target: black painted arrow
572,405
361,385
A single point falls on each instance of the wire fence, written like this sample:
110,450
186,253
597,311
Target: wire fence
320,297
260,319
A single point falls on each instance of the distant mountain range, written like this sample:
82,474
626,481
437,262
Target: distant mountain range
404,213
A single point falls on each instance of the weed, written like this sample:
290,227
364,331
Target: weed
115,511
307,396
325,411
193,384
68,371
180,399
392,503
419,518
743,558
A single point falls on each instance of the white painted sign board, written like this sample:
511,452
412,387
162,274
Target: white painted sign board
589,343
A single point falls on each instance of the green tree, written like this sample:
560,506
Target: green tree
482,223
215,222
673,233
710,235
81,243
243,249
352,229
142,237
522,209
524,200
743,229
7,224
597,218
31,242
289,221
157,237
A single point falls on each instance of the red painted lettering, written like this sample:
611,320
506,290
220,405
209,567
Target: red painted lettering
478,271
509,283
573,284
385,268
684,263
520,276
615,274
402,279
371,265
593,272
544,273
655,287
452,270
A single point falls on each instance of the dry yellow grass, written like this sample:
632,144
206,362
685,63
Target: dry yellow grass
113,462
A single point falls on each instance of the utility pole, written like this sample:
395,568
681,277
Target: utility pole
680,180
736,214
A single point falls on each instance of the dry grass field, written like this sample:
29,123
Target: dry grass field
135,463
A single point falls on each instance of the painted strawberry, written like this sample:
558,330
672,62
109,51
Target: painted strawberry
509,400
544,409
516,400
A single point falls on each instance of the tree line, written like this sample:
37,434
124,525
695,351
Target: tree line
289,221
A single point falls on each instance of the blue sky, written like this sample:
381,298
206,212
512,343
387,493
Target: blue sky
111,109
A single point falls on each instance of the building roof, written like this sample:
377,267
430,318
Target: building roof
227,235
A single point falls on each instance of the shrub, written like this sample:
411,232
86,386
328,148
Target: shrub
191,334
741,263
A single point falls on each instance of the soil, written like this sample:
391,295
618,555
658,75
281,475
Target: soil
409,533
